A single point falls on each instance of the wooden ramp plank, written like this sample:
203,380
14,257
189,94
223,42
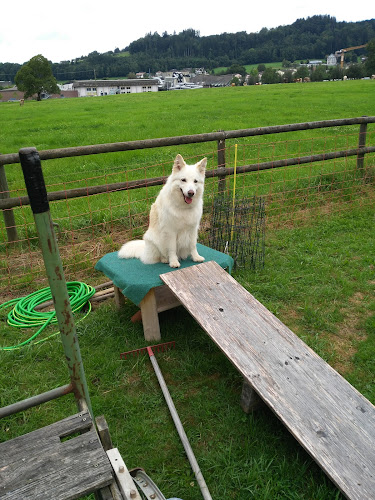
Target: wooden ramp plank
13,450
328,417
43,466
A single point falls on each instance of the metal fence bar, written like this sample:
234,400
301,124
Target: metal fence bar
35,400
50,154
9,220
220,172
361,145
221,164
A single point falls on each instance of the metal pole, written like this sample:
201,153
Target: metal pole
9,220
36,189
221,165
35,400
361,144
176,419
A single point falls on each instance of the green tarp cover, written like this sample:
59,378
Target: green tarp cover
135,279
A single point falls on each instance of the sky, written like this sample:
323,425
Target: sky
69,30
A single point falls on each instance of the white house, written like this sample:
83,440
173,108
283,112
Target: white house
86,88
66,86
331,60
314,62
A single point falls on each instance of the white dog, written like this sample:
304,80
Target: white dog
174,219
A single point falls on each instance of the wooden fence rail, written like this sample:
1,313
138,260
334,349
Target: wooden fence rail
7,203
222,135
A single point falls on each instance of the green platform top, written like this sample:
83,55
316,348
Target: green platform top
135,279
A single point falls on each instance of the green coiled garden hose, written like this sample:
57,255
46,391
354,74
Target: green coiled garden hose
24,315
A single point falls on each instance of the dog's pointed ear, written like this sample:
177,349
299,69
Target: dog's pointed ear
201,166
179,163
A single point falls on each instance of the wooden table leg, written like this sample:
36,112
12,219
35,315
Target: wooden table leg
250,400
150,318
119,298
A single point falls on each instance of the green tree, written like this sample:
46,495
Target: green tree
302,72
253,78
237,68
35,77
270,76
335,73
355,71
370,61
319,73
288,76
286,64
235,81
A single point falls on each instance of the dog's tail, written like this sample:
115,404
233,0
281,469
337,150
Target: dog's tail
132,250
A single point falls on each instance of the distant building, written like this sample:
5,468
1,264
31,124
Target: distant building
212,80
11,94
65,86
15,95
314,62
89,88
331,60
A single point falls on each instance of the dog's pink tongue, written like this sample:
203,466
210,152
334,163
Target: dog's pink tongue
188,200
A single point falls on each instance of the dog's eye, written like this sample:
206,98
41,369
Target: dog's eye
183,180
195,180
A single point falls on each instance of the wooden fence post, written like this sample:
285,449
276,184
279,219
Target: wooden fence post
9,220
361,144
221,164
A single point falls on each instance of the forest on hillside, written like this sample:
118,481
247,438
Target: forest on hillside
305,39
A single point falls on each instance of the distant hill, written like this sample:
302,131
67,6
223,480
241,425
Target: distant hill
311,38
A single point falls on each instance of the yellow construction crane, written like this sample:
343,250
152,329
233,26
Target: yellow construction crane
341,52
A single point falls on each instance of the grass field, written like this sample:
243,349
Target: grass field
318,278
75,122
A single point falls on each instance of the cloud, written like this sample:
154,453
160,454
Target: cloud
52,36
95,26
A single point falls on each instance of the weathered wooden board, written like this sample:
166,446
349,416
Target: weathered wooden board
40,465
13,450
329,417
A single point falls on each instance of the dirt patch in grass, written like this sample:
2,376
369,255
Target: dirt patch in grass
343,344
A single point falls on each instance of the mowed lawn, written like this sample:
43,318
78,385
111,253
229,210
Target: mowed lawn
318,278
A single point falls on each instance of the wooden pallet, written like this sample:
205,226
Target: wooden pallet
62,461
328,417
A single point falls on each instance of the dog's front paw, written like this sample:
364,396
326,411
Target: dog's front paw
174,263
198,258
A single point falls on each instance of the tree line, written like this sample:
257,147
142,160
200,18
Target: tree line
311,38
305,39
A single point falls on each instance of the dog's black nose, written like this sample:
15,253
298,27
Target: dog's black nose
191,193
